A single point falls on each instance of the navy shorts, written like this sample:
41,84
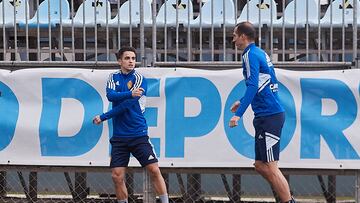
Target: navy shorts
140,147
267,137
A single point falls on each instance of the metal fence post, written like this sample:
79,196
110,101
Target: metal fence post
355,63
357,187
149,196
130,187
193,192
355,29
2,184
142,34
332,188
33,189
236,194
81,190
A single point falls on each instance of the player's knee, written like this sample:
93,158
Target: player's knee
260,168
154,171
118,178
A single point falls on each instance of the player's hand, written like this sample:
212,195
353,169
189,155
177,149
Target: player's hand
97,120
235,106
234,121
138,92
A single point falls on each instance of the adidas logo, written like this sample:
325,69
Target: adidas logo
117,83
151,157
261,137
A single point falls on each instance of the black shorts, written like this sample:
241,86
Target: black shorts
140,147
267,137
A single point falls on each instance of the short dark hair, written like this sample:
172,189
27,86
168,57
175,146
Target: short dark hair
247,29
123,49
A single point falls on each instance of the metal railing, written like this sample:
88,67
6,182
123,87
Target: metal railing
185,42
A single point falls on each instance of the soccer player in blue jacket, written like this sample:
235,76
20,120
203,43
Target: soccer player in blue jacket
126,89
262,93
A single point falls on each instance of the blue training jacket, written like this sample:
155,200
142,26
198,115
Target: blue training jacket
261,83
127,112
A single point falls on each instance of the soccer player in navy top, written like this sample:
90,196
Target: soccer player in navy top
262,93
126,89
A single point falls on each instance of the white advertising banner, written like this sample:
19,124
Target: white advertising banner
46,118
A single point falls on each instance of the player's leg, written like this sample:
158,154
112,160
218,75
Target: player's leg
118,177
143,151
267,150
120,155
158,181
271,172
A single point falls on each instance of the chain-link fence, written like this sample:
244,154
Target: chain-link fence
47,184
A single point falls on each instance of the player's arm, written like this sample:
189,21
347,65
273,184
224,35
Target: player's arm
140,82
234,107
239,107
252,85
112,95
139,91
119,109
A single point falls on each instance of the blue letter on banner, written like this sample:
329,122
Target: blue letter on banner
178,127
54,89
314,125
240,139
9,111
151,113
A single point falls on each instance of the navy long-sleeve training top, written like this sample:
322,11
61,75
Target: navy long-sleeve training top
127,112
261,83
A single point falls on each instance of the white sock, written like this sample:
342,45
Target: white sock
164,198
122,201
